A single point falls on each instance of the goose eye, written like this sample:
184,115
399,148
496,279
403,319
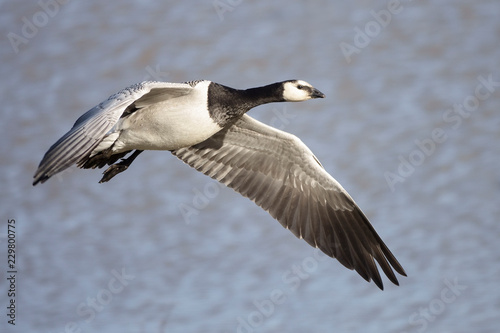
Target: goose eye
300,86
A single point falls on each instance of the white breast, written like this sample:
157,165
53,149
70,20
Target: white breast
178,122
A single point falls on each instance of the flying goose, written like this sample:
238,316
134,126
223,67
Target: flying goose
205,125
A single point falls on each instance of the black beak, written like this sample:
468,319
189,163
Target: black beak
317,94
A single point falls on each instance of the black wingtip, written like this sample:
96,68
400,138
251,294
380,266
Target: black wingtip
40,179
378,282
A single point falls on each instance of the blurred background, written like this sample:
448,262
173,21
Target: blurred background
409,127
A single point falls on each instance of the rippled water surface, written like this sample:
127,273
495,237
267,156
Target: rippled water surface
410,127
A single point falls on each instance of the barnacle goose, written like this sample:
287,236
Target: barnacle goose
205,125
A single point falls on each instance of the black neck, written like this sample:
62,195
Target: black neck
262,95
226,104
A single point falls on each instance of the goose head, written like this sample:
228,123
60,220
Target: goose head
298,91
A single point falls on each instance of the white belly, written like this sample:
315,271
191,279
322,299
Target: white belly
169,125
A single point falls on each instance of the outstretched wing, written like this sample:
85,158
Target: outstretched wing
280,174
89,130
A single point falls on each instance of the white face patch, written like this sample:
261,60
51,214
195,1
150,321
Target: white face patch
297,91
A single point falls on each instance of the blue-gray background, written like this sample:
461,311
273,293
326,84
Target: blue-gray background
216,268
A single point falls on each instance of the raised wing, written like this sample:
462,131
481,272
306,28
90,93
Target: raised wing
89,130
280,174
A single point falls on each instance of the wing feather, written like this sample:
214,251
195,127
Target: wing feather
280,174
90,129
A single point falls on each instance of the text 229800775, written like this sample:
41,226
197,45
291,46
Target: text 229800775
11,270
